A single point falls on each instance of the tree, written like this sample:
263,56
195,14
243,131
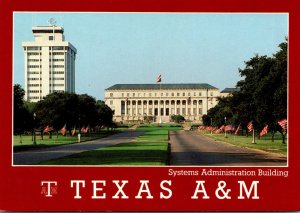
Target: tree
58,109
177,118
105,114
22,118
262,97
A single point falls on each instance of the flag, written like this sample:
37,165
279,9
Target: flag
250,126
237,129
73,131
64,130
264,131
158,79
283,124
228,127
87,129
220,129
46,130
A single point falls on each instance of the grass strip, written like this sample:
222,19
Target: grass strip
132,153
264,143
25,142
156,133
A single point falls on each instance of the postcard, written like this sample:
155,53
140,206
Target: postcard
149,106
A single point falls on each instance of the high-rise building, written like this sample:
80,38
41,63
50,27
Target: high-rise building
49,63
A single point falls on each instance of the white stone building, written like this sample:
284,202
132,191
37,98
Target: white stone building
49,63
132,102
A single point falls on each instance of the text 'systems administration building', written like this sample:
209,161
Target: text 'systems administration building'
49,63
132,102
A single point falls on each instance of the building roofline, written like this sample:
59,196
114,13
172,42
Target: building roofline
160,86
230,90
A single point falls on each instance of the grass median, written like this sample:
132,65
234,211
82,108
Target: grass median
132,153
154,132
150,148
264,143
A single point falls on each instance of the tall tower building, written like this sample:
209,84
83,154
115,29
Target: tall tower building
49,63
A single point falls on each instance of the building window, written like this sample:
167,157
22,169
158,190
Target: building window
133,94
178,94
211,93
172,94
183,94
33,53
111,94
200,94
122,94
51,38
111,102
33,48
58,48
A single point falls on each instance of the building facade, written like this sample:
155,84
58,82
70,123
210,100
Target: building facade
132,102
49,63
228,91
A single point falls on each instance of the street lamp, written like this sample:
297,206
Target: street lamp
225,128
34,138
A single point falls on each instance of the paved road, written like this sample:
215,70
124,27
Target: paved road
190,148
36,156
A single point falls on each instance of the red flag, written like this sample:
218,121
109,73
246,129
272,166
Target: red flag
283,124
264,131
237,129
220,129
158,79
87,129
46,130
250,126
228,127
73,131
64,130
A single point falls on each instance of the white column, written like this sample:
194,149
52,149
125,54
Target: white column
142,107
186,108
136,108
147,107
153,111
197,110
125,107
180,107
158,105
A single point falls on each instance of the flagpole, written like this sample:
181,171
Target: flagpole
159,103
253,136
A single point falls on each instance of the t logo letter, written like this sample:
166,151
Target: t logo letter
49,189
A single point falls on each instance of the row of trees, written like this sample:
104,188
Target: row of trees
262,97
58,109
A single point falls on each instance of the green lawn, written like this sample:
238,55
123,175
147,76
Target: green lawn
133,153
156,133
25,142
264,143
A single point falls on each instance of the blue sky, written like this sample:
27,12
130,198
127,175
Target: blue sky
115,48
